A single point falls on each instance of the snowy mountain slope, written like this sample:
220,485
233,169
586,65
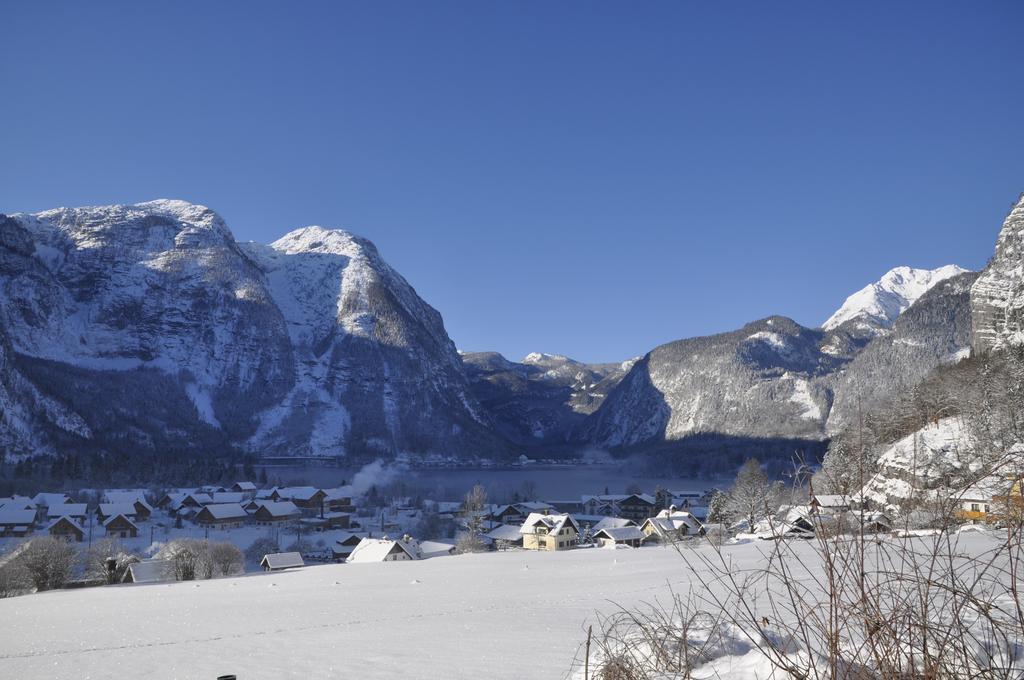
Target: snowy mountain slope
764,380
997,297
310,346
933,331
877,305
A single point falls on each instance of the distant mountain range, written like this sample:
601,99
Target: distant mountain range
148,328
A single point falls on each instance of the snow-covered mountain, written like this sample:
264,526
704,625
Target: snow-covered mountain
877,305
150,328
997,297
540,400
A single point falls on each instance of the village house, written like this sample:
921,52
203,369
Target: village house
671,525
47,499
119,526
276,512
516,513
66,528
222,516
383,550
344,546
629,535
832,504
248,488
149,571
108,510
16,520
428,549
76,511
281,561
220,497
123,495
634,506
336,501
308,499
549,532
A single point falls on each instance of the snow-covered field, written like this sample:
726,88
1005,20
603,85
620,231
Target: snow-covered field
512,615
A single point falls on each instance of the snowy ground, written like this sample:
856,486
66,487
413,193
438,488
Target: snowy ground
512,615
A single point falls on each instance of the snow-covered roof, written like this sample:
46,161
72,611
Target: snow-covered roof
621,533
228,497
149,571
280,508
24,502
610,523
200,498
224,511
126,509
64,519
346,538
15,515
68,509
554,523
435,548
376,549
300,493
51,498
285,560
619,497
833,500
245,486
124,495
506,532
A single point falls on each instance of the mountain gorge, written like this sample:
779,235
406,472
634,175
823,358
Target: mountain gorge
148,328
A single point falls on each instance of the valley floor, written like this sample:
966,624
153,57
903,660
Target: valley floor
514,615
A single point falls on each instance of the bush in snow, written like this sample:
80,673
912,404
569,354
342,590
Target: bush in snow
47,562
13,579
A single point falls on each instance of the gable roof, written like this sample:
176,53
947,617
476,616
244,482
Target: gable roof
245,486
223,511
17,516
65,520
376,549
621,533
124,495
612,523
149,571
279,508
435,549
228,496
347,539
112,518
51,499
68,509
300,493
108,509
553,523
285,560
506,532
827,500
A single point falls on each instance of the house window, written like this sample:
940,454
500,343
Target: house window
975,507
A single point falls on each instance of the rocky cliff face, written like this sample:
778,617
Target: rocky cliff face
152,327
997,297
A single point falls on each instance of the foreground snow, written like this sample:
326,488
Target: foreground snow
509,615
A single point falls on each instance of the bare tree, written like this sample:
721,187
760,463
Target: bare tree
752,496
473,510
261,547
226,558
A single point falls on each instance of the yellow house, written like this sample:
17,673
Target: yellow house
549,532
991,500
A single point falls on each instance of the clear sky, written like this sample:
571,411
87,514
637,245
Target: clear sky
585,178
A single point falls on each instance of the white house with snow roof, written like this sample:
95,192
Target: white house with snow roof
549,532
384,550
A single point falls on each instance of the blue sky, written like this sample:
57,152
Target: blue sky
585,178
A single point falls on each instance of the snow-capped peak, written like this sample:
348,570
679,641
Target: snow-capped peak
315,239
543,358
891,295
